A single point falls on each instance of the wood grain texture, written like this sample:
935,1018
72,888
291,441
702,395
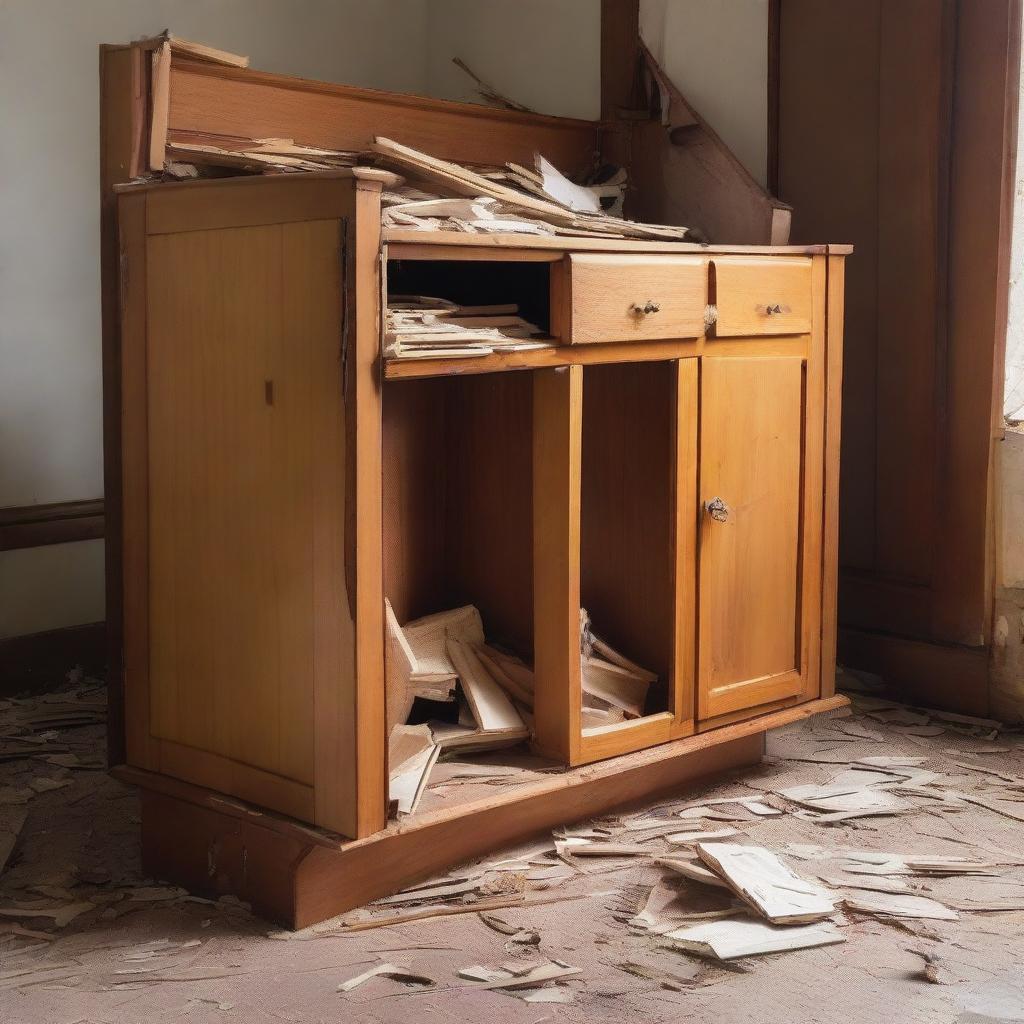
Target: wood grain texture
762,296
834,312
363,529
687,523
557,445
607,296
254,104
243,325
594,355
749,585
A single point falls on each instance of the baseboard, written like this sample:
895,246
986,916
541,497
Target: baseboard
945,676
40,661
32,526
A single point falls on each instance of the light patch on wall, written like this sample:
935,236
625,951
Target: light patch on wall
50,587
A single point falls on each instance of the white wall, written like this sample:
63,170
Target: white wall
716,52
545,54
50,392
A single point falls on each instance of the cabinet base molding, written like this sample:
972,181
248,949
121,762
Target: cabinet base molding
297,876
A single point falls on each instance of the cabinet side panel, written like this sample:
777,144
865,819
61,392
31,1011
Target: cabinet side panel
244,328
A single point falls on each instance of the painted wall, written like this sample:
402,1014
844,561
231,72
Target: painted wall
717,54
545,54
50,389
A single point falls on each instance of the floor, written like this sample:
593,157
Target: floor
85,938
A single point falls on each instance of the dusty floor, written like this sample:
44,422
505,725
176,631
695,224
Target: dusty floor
132,950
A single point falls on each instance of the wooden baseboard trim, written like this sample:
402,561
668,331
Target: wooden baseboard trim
40,661
62,522
945,676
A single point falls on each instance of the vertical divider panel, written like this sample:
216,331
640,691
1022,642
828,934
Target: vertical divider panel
684,657
557,453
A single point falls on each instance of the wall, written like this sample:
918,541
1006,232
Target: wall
50,394
545,54
716,52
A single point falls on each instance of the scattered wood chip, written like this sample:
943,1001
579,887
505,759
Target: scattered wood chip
900,905
402,974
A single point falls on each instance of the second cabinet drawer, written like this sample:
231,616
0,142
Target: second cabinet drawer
761,296
613,298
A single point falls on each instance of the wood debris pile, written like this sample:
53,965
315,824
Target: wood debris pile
486,692
614,688
428,327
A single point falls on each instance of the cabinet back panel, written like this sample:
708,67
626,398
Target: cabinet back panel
243,374
627,511
458,523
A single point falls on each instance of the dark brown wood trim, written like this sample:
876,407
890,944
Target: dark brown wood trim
41,661
31,526
620,38
772,85
946,676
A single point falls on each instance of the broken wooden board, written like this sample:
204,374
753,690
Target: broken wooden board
900,905
759,878
728,940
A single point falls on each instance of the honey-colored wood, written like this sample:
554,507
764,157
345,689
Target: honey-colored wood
232,362
687,505
254,104
830,467
557,444
593,355
634,298
751,452
762,296
363,528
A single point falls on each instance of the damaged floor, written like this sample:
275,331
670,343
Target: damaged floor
880,810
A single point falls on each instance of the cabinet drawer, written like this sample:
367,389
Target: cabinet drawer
630,298
761,296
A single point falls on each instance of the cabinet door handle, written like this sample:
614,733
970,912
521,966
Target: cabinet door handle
646,309
717,510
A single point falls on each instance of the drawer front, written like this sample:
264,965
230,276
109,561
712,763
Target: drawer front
761,296
633,298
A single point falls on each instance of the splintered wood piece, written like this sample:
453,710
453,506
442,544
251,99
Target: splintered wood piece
556,185
727,940
412,752
497,672
614,685
428,637
210,54
900,905
757,876
490,705
694,870
401,974
399,666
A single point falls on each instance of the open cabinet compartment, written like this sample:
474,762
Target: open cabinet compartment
636,535
457,501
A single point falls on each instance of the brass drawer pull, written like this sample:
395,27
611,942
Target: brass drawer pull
718,510
647,308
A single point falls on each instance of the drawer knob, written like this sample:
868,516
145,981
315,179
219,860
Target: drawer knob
646,309
776,310
718,510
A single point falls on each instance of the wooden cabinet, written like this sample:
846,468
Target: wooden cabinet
281,478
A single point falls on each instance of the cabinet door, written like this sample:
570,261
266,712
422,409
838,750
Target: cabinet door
754,534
